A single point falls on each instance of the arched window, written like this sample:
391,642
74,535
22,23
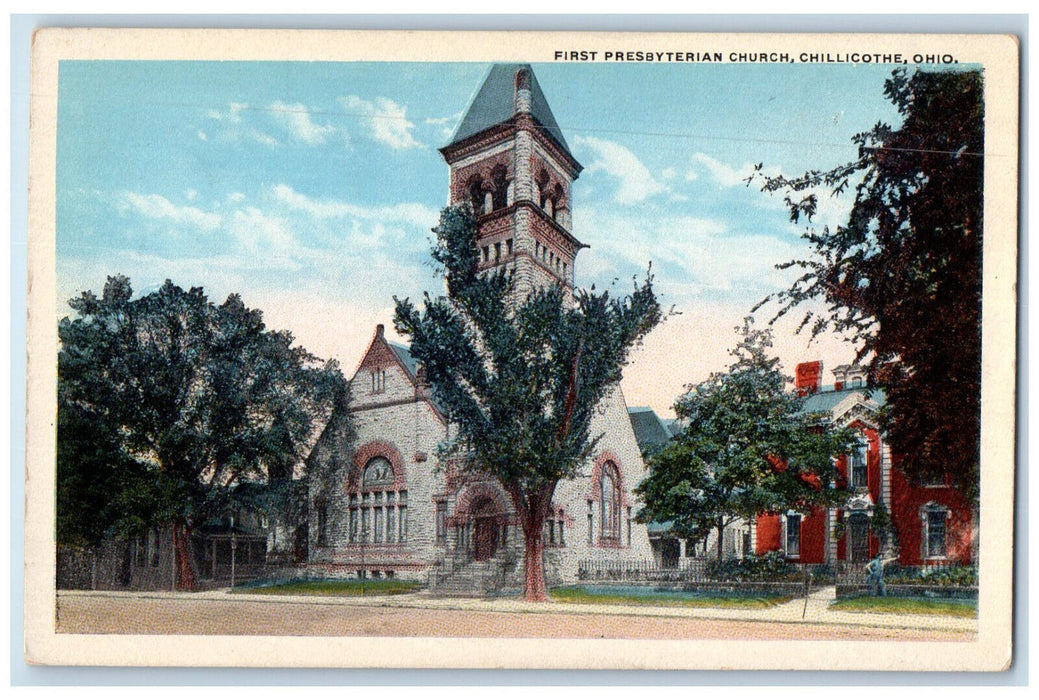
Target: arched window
499,199
476,196
610,493
379,512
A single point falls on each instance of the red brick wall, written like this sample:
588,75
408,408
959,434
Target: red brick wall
906,501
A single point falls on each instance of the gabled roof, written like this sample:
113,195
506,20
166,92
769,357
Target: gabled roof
826,401
650,431
493,104
403,353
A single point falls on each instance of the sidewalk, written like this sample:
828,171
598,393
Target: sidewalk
817,610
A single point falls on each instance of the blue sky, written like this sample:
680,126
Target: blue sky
310,188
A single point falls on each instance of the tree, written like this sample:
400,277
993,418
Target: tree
169,403
520,378
902,279
747,447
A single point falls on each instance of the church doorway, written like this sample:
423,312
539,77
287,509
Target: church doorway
487,522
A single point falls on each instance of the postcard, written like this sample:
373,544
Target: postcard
521,350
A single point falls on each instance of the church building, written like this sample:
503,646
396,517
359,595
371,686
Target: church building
387,504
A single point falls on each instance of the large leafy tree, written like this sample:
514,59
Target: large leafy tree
747,447
168,404
521,378
902,278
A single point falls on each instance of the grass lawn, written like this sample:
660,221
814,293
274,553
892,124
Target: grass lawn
351,587
913,606
628,596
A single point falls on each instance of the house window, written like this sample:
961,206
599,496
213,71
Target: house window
629,526
441,523
610,503
322,522
935,546
508,246
559,524
858,466
793,535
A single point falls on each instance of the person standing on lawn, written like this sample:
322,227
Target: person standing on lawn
875,574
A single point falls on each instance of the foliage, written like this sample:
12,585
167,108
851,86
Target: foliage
772,566
747,447
521,378
902,279
942,576
168,404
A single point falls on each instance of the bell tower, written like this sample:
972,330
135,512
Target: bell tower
508,159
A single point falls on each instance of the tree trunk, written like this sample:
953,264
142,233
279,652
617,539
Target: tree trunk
721,541
533,509
182,558
534,588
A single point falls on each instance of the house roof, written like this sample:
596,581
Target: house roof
826,401
650,431
493,104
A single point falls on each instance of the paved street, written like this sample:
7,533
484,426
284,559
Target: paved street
218,612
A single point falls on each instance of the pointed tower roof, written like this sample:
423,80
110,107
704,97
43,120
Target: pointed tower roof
493,104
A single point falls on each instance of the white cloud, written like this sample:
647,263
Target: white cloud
406,212
295,118
233,114
722,173
636,182
446,124
155,206
262,232
385,120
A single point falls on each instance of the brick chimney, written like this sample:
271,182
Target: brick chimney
807,377
380,331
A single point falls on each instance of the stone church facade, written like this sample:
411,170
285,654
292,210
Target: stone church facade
387,503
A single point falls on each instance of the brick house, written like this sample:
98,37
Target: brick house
929,523
389,505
